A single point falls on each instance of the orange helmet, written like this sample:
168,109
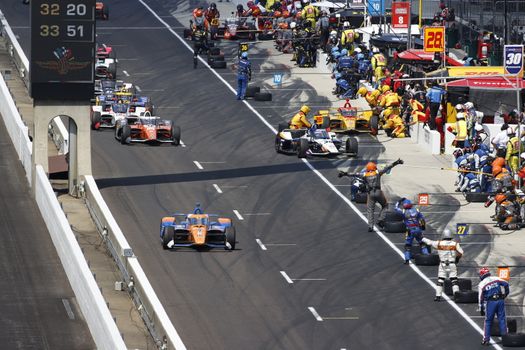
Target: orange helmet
198,13
496,170
277,14
500,161
286,14
499,198
371,166
256,12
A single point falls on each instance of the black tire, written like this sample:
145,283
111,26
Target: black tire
302,147
374,125
426,260
464,285
251,91
230,237
95,119
126,133
466,297
215,58
277,144
218,64
169,233
105,12
393,216
282,126
215,51
112,70
352,146
265,36
511,327
175,134
325,124
113,54
395,227
476,197
262,96
515,340
361,197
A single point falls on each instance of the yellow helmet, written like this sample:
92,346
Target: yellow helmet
385,88
305,109
375,93
362,91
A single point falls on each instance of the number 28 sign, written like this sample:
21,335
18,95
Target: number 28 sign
434,39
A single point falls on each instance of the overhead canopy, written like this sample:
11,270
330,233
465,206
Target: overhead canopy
329,4
422,56
488,83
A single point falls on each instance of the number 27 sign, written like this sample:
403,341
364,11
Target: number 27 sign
434,39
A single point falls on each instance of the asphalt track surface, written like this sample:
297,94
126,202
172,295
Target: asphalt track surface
39,310
357,285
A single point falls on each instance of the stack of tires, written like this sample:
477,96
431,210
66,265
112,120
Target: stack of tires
216,58
255,93
394,222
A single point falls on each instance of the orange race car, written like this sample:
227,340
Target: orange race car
101,11
146,129
197,230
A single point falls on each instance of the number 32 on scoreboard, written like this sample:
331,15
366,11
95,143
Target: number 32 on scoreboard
434,40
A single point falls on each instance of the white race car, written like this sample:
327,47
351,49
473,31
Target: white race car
107,115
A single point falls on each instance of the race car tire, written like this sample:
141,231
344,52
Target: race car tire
374,125
427,260
218,64
186,33
476,197
105,12
282,126
466,297
277,144
513,340
393,216
230,237
112,70
113,54
464,286
251,91
175,134
262,96
215,51
511,327
361,197
352,146
126,135
395,227
169,233
95,120
215,58
150,108
303,148
265,36
325,124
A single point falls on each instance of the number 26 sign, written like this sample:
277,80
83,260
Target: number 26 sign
434,39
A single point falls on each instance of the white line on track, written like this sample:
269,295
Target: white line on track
69,311
316,315
125,73
286,277
182,144
237,214
398,251
217,188
138,88
198,165
260,243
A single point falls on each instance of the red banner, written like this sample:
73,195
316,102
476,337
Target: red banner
400,14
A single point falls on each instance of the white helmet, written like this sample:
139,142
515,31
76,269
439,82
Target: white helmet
375,50
292,25
459,107
333,33
510,131
478,127
447,234
346,24
460,115
469,105
357,50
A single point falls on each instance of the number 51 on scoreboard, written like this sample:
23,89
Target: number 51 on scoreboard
434,39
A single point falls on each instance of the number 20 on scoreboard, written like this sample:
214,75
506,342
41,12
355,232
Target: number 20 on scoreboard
434,39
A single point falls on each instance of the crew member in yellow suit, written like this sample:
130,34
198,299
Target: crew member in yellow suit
310,13
378,62
460,128
299,120
348,37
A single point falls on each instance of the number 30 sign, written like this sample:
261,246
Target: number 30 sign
434,39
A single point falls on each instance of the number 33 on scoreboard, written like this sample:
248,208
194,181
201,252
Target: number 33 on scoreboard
434,39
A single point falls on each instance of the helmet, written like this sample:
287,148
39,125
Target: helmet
360,56
460,115
407,204
362,91
344,52
286,13
510,131
459,107
333,33
385,88
447,234
198,13
292,25
375,50
499,198
277,14
484,272
338,76
371,166
213,6
249,4
346,24
500,161
334,49
375,93
469,105
305,109
357,50
240,8
244,55
496,170
478,127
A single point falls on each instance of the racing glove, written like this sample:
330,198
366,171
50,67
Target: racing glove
398,162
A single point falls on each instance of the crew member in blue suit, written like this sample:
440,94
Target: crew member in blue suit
492,294
415,224
244,74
